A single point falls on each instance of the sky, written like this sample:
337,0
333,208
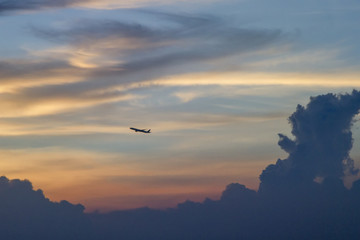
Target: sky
215,81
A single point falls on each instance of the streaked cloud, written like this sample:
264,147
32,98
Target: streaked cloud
98,62
28,5
349,79
15,5
51,100
144,47
111,4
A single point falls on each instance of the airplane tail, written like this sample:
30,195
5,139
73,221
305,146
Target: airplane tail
149,130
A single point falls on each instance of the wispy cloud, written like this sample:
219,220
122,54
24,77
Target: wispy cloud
20,5
243,78
99,61
192,38
13,5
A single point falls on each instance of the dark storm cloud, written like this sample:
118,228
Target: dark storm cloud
322,143
13,5
27,214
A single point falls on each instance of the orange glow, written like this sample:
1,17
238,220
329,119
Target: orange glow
77,175
113,4
249,79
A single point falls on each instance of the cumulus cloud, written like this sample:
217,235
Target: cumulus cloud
25,213
323,140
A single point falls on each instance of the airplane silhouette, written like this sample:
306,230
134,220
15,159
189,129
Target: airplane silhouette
140,130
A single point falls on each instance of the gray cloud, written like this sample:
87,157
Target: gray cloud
323,140
14,5
27,214
186,44
192,37
10,69
160,51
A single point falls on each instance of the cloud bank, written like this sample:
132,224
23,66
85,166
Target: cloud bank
27,214
292,203
322,143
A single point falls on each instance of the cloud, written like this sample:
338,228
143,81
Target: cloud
322,143
100,61
189,220
121,54
156,51
47,86
19,74
14,5
252,79
27,214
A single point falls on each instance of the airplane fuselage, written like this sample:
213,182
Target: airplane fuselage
140,130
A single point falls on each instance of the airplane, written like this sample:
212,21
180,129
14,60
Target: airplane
140,130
